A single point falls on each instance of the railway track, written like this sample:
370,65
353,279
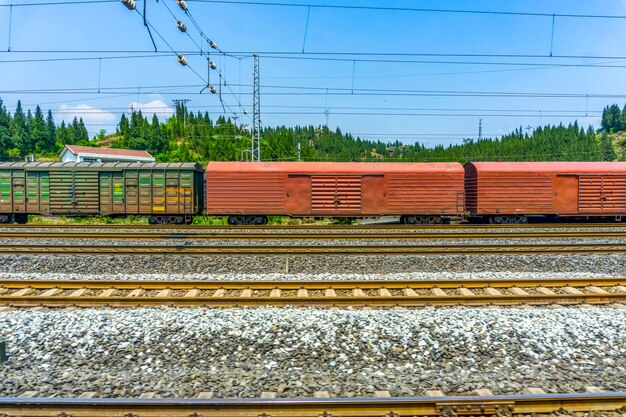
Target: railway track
437,405
322,235
374,227
315,250
381,293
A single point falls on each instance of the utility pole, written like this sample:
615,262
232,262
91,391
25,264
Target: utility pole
183,103
480,129
298,151
256,112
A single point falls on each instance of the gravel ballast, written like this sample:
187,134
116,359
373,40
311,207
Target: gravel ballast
412,276
295,352
614,265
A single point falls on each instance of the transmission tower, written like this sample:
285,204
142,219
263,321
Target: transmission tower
256,112
480,129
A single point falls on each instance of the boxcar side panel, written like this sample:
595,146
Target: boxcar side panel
602,194
246,193
298,195
426,193
6,192
375,195
565,199
510,193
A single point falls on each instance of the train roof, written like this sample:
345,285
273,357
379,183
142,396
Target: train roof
99,166
335,167
551,167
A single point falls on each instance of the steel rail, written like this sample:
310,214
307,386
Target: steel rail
500,405
339,234
315,250
316,226
379,293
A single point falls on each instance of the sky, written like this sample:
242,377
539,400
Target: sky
398,69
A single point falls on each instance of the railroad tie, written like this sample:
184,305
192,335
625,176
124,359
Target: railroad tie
164,292
3,290
596,290
358,292
382,394
384,292
23,292
192,293
434,393
330,292
205,395
268,394
492,291
88,394
137,292
302,292
51,292
220,292
410,292
246,293
591,389
545,291
321,394
147,395
533,391
466,292
79,292
483,392
518,291
108,292
276,293
438,292
620,288
572,290
29,394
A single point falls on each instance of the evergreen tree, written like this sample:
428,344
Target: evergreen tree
51,134
19,134
5,132
37,129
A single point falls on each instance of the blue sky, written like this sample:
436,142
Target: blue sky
368,97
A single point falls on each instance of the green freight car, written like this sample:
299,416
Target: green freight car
170,193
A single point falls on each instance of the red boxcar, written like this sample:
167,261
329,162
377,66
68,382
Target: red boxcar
249,191
507,192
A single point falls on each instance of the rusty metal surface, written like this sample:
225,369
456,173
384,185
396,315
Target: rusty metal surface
501,405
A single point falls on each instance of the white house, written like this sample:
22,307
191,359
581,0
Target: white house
74,153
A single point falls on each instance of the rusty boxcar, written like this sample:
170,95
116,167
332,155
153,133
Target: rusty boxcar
168,193
249,191
510,192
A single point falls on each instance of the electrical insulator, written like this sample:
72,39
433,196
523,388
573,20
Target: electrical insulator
180,25
212,44
182,60
130,4
245,111
182,4
212,89
212,65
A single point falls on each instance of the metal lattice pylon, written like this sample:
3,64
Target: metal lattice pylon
256,112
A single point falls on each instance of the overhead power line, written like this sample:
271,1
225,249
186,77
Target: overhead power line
410,9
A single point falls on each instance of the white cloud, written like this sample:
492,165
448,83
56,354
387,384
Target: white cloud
158,107
90,115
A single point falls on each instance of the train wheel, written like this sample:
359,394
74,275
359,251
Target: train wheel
20,218
6,218
421,220
247,220
166,220
508,220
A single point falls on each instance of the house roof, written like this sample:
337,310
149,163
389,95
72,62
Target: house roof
107,152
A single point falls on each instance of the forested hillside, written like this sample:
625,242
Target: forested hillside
187,136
